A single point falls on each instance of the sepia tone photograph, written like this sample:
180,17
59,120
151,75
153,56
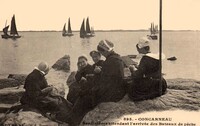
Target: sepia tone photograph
99,63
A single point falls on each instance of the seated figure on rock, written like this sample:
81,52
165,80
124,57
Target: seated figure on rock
38,94
83,79
145,77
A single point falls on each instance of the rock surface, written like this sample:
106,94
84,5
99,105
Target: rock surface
11,95
28,118
9,82
71,79
182,94
62,64
19,77
11,90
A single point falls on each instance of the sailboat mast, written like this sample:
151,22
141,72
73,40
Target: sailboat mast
88,26
13,30
69,26
82,29
64,29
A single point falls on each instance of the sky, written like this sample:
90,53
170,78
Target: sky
103,14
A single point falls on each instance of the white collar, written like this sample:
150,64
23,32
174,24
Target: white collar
40,70
155,55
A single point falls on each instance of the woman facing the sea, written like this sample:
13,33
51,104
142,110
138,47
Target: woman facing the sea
145,77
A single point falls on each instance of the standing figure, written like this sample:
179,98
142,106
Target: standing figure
146,76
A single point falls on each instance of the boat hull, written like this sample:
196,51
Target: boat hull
67,35
10,36
172,58
153,37
87,36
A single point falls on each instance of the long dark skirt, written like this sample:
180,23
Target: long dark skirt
146,88
50,103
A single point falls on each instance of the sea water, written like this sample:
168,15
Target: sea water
23,54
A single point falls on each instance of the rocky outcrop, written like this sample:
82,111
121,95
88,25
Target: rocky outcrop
28,118
11,95
9,82
62,64
19,77
71,79
13,80
182,94
11,90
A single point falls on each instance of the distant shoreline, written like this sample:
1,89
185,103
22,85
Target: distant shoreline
112,31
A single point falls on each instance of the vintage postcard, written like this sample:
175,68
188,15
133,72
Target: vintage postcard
108,62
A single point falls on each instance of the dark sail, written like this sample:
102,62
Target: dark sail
13,30
64,29
82,29
5,30
69,26
88,26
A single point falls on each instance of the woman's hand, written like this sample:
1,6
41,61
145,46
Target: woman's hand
97,69
79,65
132,68
47,90
83,80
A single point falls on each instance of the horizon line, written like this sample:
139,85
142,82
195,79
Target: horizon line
97,30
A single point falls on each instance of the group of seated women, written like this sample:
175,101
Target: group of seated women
101,82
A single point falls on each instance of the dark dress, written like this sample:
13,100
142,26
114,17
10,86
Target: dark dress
79,87
84,72
97,76
45,102
34,84
110,88
146,80
99,63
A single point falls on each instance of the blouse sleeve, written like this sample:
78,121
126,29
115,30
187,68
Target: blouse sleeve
139,73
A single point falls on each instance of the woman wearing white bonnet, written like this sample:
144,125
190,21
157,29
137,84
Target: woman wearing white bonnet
34,84
43,67
38,94
146,77
143,46
109,87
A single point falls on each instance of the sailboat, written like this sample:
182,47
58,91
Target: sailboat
153,31
13,31
82,29
86,32
69,31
